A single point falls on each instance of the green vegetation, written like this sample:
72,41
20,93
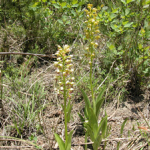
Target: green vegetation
109,51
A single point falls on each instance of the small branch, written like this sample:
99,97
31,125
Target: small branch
106,76
106,140
31,54
16,147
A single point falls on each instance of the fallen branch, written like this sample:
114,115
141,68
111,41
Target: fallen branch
31,54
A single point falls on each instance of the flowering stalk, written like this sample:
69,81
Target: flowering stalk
91,35
65,80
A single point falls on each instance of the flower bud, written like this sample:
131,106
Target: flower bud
71,90
68,61
61,88
72,70
72,79
56,64
58,71
60,66
58,59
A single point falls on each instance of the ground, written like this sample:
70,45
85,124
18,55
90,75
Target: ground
135,110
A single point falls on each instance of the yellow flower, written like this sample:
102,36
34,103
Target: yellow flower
89,6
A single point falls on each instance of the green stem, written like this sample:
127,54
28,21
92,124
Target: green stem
65,101
85,140
91,85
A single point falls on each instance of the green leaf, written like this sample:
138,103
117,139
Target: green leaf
124,2
87,102
60,21
122,126
68,110
103,129
75,5
111,46
127,11
68,141
93,124
129,24
129,1
60,142
63,4
113,15
147,34
99,101
74,2
44,1
121,131
97,142
56,6
81,117
104,126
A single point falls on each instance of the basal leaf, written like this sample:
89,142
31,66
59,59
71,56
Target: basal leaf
103,126
68,110
87,102
68,141
93,122
60,142
99,101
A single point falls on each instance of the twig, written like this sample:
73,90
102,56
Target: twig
31,54
16,147
107,75
115,139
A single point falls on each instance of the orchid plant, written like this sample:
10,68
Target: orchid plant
95,129
65,82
